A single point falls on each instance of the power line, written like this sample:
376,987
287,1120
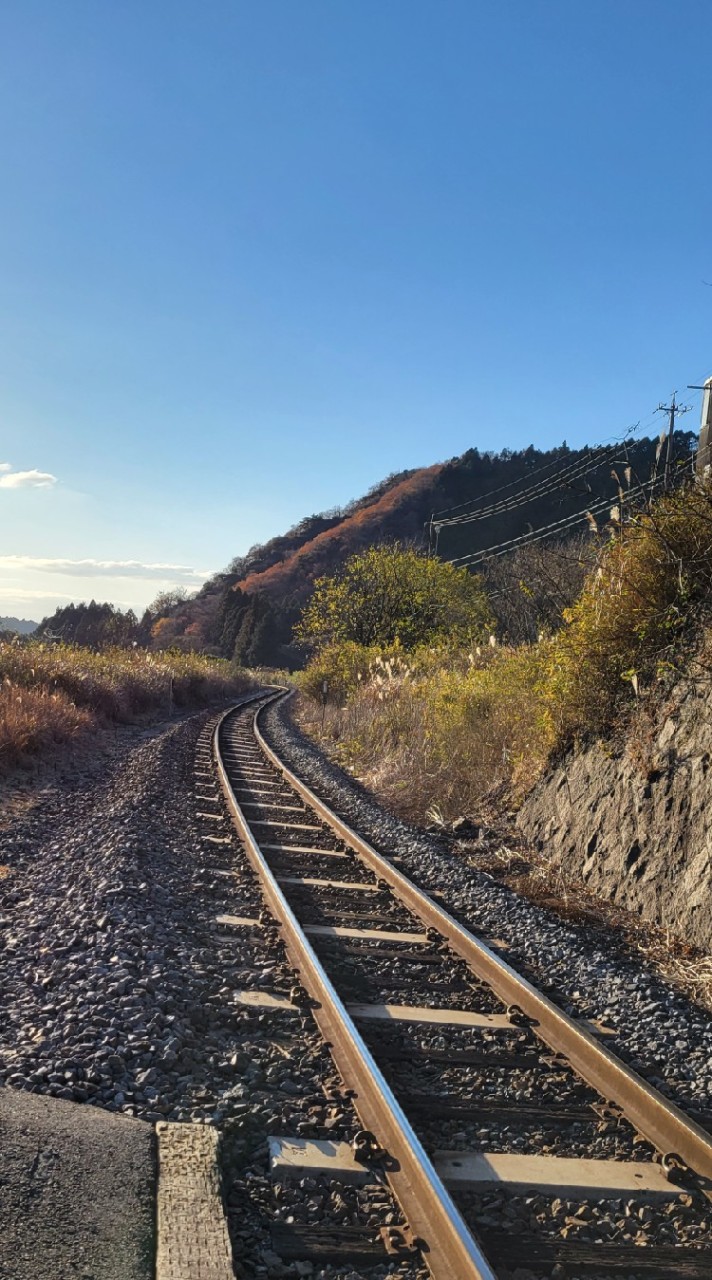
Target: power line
491,493
563,476
561,479
621,438
647,489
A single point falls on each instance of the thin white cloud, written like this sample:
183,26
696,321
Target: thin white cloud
28,597
106,568
34,479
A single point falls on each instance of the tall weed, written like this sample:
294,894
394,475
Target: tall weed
51,693
32,720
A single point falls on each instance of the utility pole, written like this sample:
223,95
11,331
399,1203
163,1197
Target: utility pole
704,450
673,409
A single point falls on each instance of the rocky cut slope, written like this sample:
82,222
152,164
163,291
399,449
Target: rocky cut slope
632,816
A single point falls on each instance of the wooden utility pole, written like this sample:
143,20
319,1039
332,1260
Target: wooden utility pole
673,409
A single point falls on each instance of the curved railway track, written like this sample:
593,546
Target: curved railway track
469,1084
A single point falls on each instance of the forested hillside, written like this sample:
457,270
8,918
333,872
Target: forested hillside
467,505
22,626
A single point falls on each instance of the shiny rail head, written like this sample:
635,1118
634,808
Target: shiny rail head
450,1248
664,1125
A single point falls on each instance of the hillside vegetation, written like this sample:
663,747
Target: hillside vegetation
249,612
442,724
52,694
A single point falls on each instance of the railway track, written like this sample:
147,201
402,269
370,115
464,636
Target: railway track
502,1125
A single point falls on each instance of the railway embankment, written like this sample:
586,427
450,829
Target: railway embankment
630,815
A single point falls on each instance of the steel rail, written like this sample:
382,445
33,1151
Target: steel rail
664,1125
449,1247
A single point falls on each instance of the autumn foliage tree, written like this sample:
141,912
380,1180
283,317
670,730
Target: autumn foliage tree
394,593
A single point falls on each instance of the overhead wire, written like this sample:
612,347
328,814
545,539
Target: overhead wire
620,438
561,479
647,489
500,489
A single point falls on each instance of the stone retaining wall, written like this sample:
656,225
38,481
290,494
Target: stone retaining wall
634,820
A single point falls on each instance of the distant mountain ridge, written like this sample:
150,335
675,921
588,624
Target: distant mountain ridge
248,611
23,626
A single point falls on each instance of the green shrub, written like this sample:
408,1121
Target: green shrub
394,594
336,671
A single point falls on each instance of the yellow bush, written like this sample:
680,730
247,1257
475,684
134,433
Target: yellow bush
442,726
342,667
629,619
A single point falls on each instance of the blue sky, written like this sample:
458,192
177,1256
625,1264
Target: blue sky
256,256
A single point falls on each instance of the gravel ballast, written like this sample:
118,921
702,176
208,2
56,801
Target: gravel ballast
119,988
658,1031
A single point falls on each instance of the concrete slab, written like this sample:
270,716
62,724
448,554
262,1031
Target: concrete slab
257,771
193,1240
370,935
329,884
77,1192
264,1000
418,1013
303,848
597,1028
555,1175
261,786
237,922
305,1155
272,804
548,1175
287,826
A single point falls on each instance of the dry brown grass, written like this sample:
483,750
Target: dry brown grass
504,854
32,720
439,727
51,694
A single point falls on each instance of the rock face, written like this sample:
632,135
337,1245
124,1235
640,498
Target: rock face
633,819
